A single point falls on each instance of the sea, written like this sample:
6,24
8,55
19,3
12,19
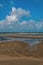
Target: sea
26,40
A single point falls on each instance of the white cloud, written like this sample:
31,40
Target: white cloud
33,25
13,9
39,25
13,22
16,14
24,25
12,18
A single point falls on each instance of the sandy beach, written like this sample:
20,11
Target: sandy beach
21,32
19,53
6,60
16,35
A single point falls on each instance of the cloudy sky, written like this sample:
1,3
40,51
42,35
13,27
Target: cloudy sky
21,15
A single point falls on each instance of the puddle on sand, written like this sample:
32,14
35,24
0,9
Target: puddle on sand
27,40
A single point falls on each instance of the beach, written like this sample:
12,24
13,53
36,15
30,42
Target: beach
20,53
17,53
6,60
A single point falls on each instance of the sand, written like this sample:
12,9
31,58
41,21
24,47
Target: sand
20,36
19,53
8,60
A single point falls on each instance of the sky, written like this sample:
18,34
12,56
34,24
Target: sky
21,15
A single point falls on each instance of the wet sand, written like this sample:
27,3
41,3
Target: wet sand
20,36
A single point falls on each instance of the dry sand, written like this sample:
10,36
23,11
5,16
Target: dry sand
18,53
8,60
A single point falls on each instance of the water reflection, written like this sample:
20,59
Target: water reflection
27,40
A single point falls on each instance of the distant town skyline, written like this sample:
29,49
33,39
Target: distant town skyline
21,15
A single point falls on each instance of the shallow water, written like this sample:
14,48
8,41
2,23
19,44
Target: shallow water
27,40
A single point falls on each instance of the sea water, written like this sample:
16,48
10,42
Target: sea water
26,40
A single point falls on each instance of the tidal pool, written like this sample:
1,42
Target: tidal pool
26,40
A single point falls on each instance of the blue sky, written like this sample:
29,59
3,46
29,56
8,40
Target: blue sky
21,15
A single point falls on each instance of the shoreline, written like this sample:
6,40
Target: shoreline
21,36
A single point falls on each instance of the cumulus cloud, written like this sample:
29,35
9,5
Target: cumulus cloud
32,25
16,14
12,18
13,21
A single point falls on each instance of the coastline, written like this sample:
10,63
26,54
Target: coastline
14,35
19,53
